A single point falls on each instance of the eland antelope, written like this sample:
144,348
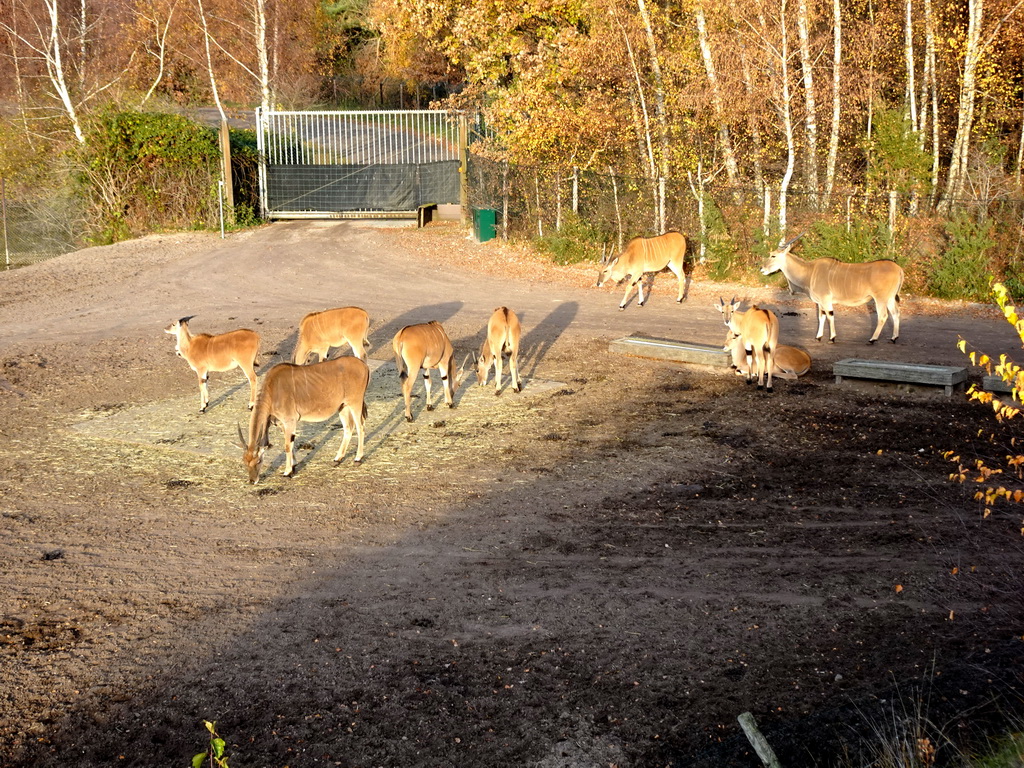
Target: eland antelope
205,354
319,331
828,282
789,362
758,333
644,255
503,333
426,346
293,393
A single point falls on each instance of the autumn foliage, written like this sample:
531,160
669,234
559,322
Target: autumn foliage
1001,479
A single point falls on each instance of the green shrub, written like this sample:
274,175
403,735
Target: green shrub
963,270
576,241
721,256
862,241
146,171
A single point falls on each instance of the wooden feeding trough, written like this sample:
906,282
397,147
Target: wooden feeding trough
675,351
946,376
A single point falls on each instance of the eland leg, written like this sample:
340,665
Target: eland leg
426,385
289,448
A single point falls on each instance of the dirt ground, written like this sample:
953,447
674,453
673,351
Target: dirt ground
605,569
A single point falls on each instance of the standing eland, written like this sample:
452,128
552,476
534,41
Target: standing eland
643,255
293,393
426,346
758,332
319,331
205,353
828,282
503,333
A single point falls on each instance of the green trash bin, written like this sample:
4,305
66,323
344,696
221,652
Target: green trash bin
483,224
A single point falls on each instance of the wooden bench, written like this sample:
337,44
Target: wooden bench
425,214
993,383
676,351
946,376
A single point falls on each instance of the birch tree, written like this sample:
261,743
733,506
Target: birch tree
837,60
810,105
724,136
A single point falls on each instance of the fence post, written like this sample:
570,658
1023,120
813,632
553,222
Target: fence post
464,167
618,212
661,205
504,200
225,161
3,209
576,190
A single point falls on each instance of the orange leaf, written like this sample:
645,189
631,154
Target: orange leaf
899,587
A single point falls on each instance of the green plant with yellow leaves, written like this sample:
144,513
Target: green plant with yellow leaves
215,751
1010,470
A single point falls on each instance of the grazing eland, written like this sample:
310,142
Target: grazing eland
426,346
828,282
503,334
758,333
205,354
293,393
319,331
643,255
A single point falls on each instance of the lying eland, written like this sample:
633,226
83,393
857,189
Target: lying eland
644,255
828,282
757,331
205,354
503,333
789,362
293,393
319,331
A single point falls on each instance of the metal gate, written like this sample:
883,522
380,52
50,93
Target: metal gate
357,164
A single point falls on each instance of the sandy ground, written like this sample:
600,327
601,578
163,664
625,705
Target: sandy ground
604,569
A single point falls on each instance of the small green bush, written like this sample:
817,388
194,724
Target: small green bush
721,256
576,241
963,270
147,171
861,241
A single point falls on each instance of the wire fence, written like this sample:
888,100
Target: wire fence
732,227
36,227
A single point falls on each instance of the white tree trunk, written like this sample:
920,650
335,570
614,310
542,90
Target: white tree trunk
724,137
910,93
659,89
965,111
260,18
209,62
811,120
932,84
837,57
55,69
786,107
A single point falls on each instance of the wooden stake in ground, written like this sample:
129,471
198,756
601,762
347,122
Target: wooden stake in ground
758,741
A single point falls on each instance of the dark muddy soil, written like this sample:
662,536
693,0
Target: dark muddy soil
605,569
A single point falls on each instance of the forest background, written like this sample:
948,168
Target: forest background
882,128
